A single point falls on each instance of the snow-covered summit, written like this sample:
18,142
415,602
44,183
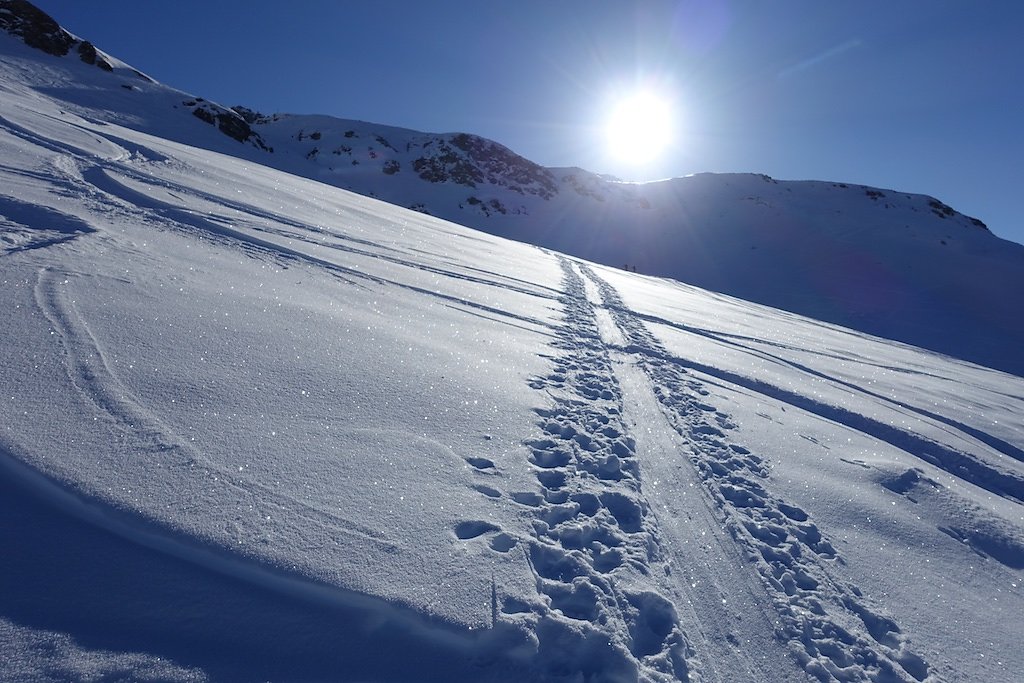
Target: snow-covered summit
255,427
898,265
903,266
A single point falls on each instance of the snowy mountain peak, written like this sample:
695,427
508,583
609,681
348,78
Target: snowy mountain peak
258,428
902,266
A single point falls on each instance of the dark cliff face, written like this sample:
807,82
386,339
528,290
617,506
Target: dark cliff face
39,30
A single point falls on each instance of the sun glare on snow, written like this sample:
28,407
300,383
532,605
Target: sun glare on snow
639,128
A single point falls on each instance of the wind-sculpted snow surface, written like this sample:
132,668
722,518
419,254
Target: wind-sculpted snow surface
940,459
835,631
258,428
894,264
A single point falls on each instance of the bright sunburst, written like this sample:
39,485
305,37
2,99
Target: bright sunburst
639,128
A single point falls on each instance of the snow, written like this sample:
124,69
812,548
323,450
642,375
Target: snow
256,427
892,264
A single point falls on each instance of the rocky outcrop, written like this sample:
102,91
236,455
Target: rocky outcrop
34,26
228,121
39,30
87,51
253,117
471,160
504,167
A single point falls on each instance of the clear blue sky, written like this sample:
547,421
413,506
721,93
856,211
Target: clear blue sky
917,95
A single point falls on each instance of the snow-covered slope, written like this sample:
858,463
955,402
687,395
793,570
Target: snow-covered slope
258,428
902,266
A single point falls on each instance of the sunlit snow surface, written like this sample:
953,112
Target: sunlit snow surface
257,428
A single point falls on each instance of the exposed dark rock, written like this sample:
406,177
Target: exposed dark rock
228,121
470,160
249,115
236,127
391,167
37,28
941,210
447,166
508,168
487,207
252,117
87,51
203,115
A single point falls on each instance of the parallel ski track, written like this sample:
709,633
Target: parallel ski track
595,548
833,629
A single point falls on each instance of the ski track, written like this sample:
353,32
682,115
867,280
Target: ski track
25,226
144,434
594,546
220,228
752,346
1002,481
833,629
78,172
724,609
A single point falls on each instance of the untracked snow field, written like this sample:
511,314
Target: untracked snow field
253,427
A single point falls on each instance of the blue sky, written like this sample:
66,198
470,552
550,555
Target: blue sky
917,95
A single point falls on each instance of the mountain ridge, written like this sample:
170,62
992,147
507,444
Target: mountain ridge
902,266
257,427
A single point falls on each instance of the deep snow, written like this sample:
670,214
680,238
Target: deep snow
259,428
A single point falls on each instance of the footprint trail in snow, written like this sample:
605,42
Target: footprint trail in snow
594,546
833,629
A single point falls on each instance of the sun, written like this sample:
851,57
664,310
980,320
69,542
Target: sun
639,127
